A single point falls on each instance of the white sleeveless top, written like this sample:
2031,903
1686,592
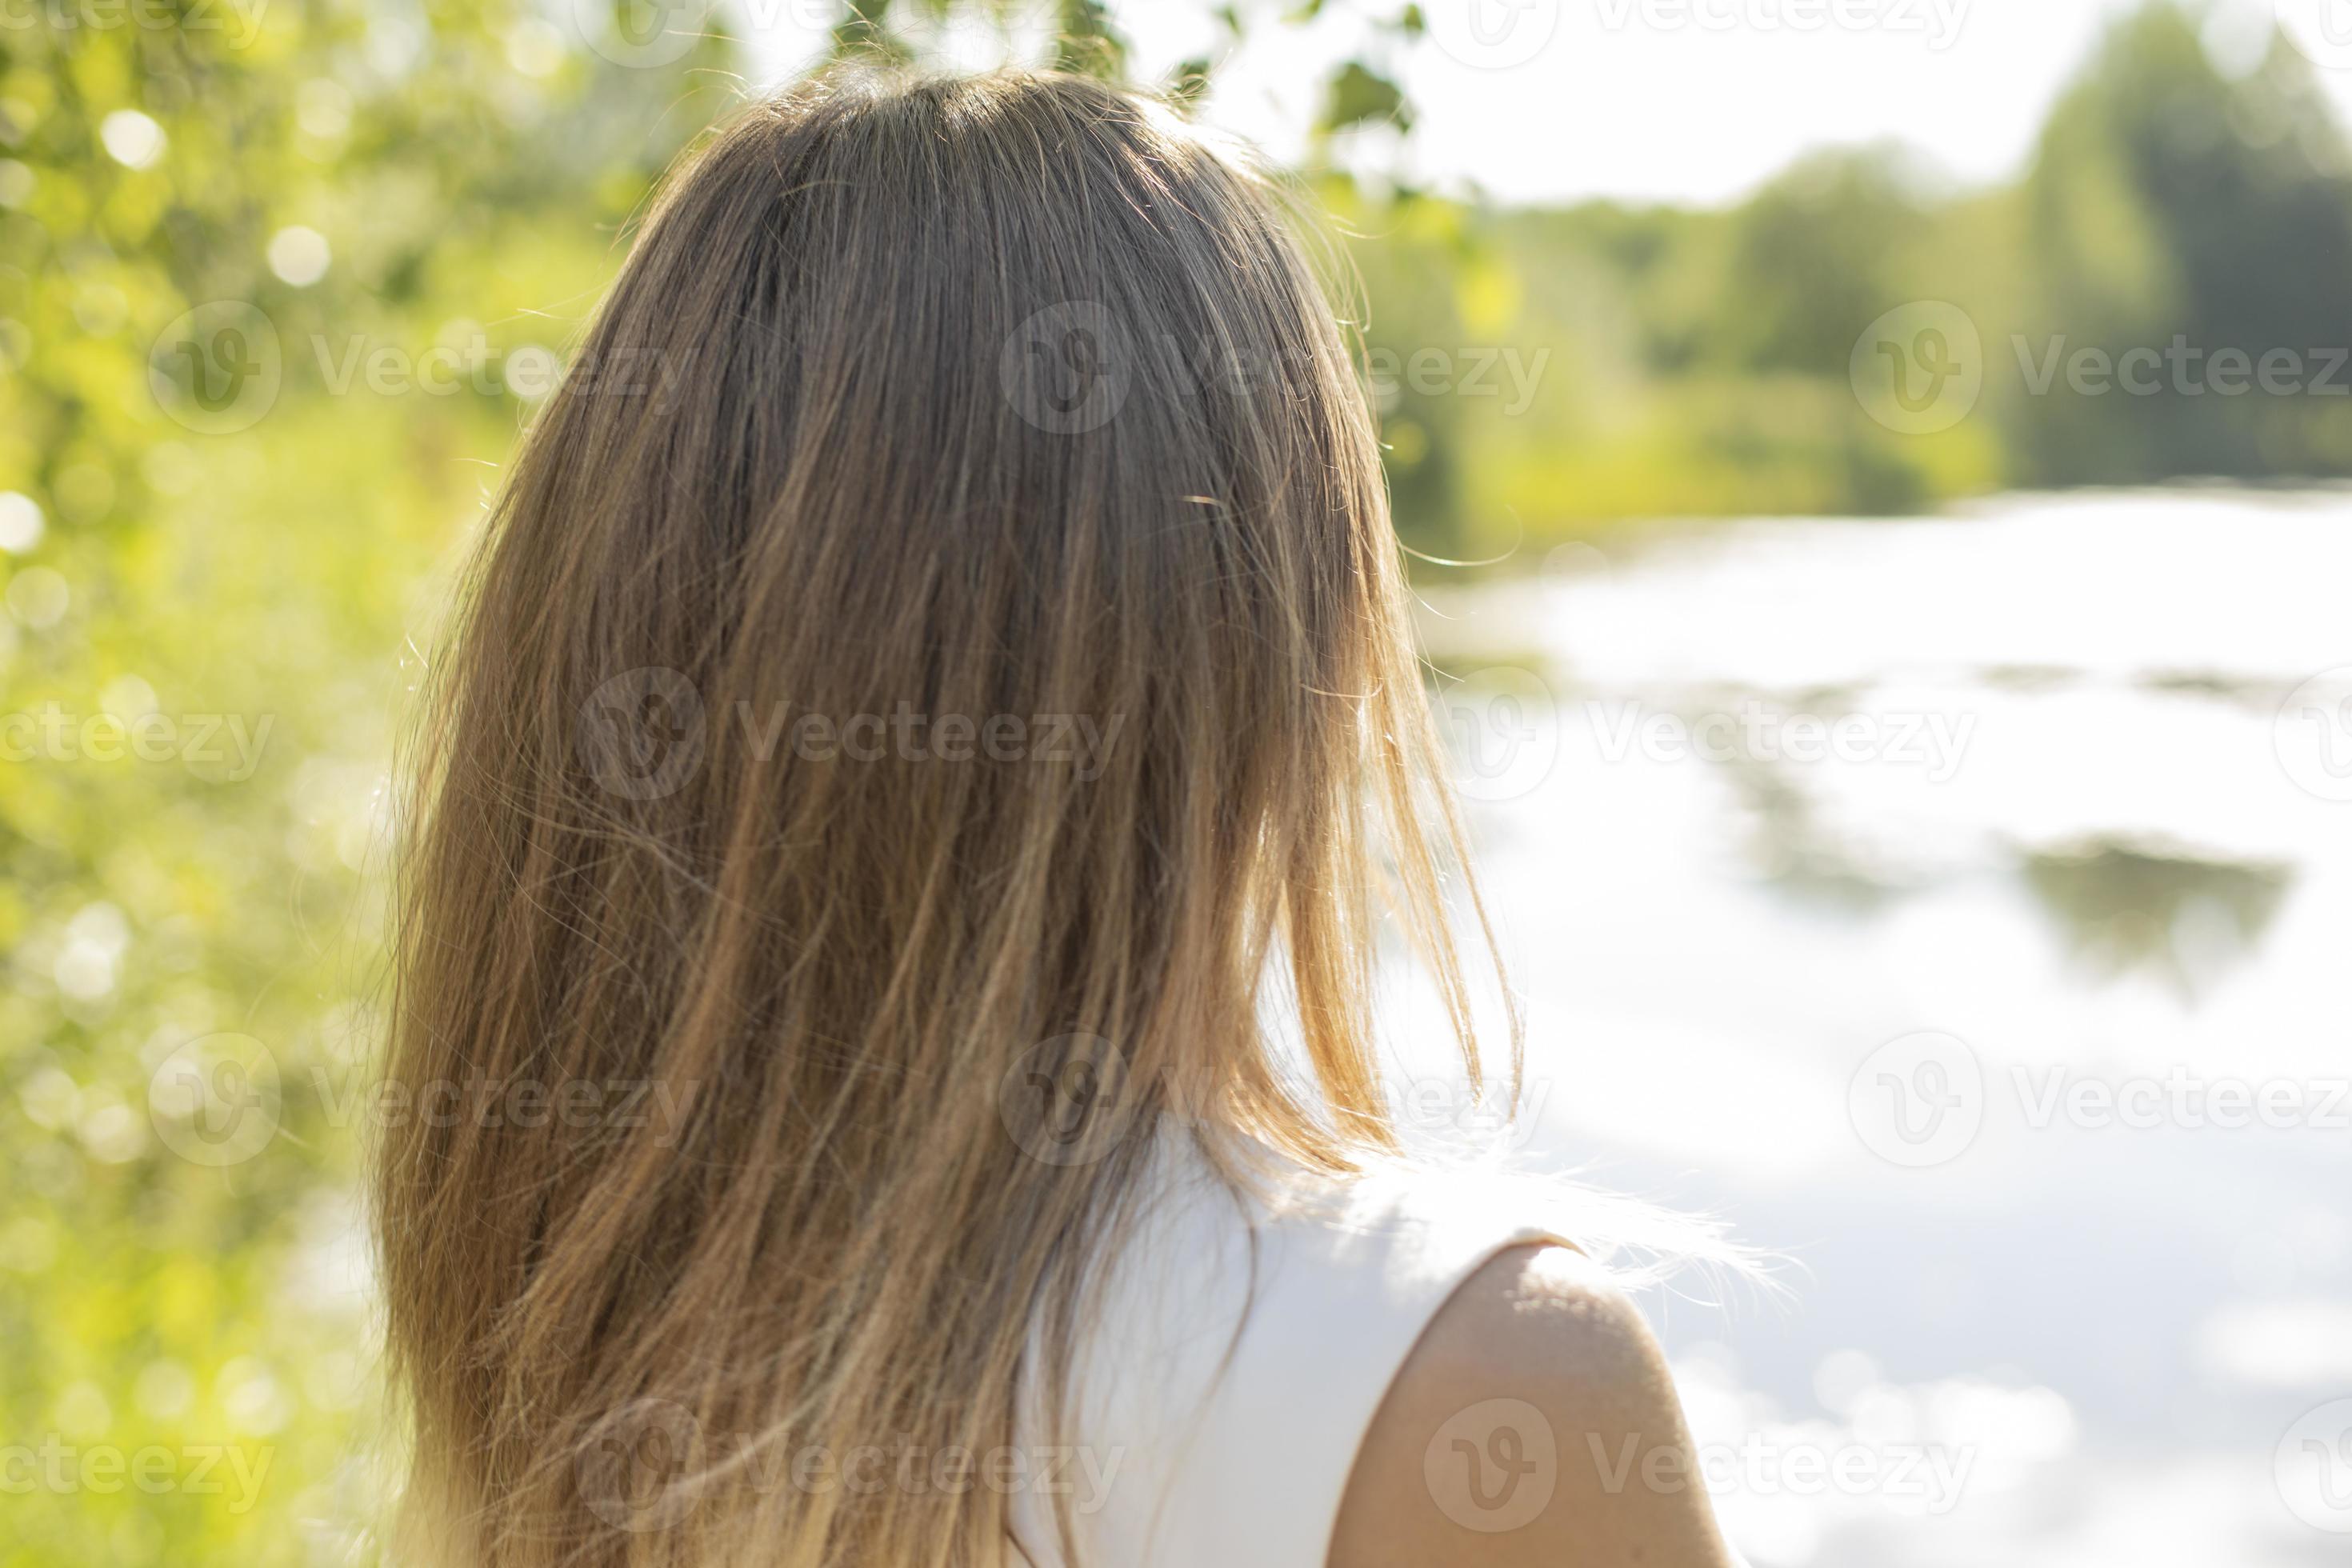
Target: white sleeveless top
1189,1446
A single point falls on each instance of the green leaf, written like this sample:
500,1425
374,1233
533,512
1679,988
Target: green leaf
1359,95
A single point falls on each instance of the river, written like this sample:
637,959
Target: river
1960,907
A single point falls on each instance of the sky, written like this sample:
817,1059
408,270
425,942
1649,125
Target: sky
1692,101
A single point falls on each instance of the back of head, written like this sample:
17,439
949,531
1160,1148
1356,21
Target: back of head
937,669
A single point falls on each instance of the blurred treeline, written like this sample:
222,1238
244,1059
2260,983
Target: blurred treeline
417,197
1699,359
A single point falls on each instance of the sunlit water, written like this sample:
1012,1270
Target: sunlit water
2079,832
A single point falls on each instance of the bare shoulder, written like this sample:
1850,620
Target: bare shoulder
1535,1424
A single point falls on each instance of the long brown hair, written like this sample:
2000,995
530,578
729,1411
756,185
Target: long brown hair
945,640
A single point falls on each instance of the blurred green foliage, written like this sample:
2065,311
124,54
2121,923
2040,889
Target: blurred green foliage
390,219
1700,359
469,168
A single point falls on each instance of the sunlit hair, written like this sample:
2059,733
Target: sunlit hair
958,398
